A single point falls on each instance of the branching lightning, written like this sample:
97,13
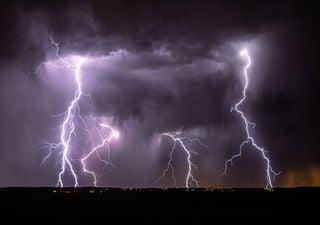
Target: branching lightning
183,141
72,116
95,149
100,134
249,139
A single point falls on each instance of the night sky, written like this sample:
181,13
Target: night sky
162,66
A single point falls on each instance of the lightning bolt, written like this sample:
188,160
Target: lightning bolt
69,124
249,139
183,141
95,149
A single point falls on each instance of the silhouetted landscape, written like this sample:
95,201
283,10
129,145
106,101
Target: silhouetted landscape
91,205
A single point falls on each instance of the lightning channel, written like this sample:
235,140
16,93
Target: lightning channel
70,124
183,141
247,124
104,142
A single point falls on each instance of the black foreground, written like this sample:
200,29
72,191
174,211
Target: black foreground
166,206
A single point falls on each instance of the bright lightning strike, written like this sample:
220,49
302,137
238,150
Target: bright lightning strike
69,125
183,141
95,149
249,139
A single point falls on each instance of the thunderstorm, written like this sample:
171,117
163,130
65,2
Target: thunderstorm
70,123
249,139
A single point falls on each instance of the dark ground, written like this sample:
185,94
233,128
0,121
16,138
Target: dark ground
165,206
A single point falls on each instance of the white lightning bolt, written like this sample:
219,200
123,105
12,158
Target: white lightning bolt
183,141
68,125
68,129
247,123
95,149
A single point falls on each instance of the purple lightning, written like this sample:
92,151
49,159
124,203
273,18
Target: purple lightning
68,125
68,129
183,141
95,149
247,123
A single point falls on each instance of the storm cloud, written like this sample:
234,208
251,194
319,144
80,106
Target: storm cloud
162,67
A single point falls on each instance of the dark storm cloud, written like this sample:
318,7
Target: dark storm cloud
163,66
145,85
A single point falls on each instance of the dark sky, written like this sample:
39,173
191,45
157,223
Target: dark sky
163,66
